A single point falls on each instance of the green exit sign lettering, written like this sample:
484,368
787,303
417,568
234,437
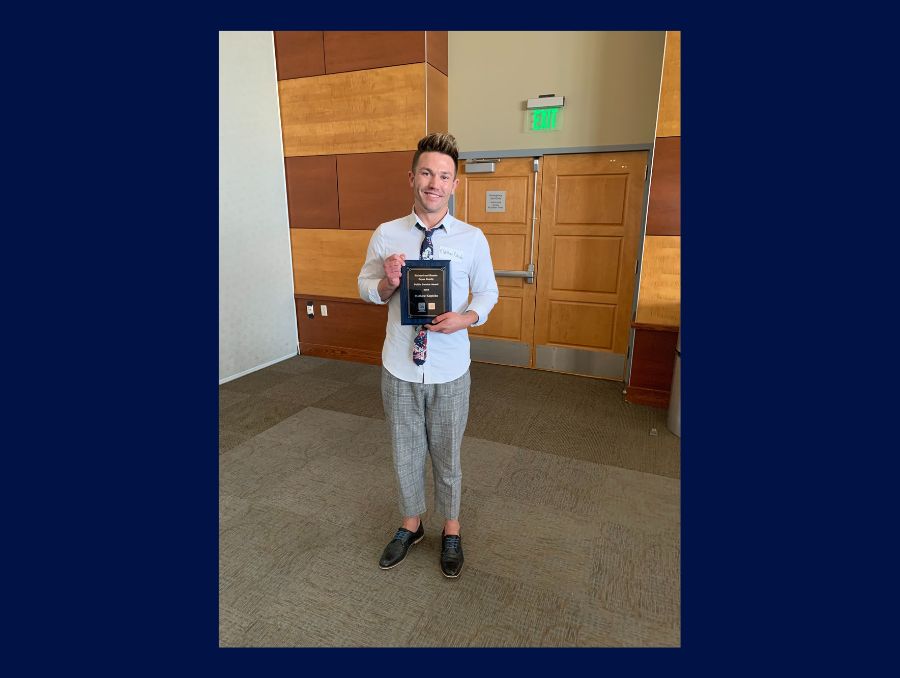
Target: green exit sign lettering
544,119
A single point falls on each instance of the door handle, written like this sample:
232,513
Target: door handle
528,275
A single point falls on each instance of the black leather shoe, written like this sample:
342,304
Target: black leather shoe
395,551
451,555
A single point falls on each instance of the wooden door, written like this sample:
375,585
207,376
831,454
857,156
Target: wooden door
590,228
501,203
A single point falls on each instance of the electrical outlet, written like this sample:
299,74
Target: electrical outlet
324,310
309,309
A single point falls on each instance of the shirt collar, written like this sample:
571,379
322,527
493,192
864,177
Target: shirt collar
449,222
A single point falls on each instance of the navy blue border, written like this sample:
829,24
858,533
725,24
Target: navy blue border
119,561
406,318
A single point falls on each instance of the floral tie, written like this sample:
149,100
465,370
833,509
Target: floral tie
420,343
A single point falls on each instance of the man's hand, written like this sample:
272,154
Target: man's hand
450,322
391,280
392,266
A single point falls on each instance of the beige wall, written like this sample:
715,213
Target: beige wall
610,80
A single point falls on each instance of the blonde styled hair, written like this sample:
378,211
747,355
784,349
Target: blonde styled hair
438,142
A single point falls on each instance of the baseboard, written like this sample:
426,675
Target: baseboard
254,369
647,396
340,353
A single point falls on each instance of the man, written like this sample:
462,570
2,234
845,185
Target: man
425,369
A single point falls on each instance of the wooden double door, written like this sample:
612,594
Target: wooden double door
574,223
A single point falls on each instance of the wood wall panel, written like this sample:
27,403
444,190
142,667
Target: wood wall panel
437,115
299,54
659,301
360,50
654,359
374,188
352,330
647,396
436,50
357,112
664,208
312,191
668,123
327,261
658,314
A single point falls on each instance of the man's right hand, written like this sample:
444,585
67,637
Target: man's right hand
392,266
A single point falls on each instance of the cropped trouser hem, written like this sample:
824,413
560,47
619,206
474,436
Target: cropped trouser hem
426,420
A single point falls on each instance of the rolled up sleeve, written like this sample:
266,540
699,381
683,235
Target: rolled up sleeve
372,270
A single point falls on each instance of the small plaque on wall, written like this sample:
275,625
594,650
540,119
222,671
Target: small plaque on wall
495,201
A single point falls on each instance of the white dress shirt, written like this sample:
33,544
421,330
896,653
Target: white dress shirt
467,249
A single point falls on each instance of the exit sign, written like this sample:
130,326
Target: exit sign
545,119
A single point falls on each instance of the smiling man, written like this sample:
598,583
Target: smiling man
425,369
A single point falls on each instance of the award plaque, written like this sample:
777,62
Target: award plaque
424,290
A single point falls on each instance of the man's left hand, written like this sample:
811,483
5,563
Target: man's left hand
450,322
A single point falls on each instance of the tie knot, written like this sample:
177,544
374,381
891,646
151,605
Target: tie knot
427,249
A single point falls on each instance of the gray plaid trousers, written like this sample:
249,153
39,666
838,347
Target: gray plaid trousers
427,419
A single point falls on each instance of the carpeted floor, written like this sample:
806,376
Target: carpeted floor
570,516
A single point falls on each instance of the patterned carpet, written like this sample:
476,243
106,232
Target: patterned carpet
570,516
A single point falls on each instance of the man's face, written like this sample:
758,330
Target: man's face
433,182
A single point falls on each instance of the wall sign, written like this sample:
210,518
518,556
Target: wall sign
495,201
